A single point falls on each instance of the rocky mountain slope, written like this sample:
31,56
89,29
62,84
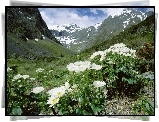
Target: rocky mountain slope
27,23
134,37
29,37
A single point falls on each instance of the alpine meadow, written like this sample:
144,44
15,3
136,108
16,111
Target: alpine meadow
80,61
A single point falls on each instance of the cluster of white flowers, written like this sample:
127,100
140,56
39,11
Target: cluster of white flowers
101,53
18,76
37,90
32,79
79,66
82,66
99,83
25,76
95,66
122,50
52,100
39,70
119,48
57,92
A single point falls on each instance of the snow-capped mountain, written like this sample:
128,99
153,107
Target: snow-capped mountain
64,32
67,27
77,39
69,34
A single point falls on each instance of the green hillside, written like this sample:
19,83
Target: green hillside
134,36
34,49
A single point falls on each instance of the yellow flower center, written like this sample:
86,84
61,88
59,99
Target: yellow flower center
54,101
59,93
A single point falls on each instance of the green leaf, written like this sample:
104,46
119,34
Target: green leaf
95,109
85,112
17,111
130,80
78,111
80,99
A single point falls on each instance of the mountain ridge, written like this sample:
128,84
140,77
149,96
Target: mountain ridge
27,23
111,26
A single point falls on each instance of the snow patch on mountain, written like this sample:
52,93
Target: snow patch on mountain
67,27
125,23
126,11
89,29
140,17
65,39
97,25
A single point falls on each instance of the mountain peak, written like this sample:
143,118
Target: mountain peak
71,27
127,10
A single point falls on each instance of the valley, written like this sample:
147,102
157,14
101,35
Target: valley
105,69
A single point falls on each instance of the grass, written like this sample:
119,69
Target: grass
115,106
32,48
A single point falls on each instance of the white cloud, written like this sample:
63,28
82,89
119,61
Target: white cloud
117,11
150,9
54,17
46,18
61,16
108,11
114,11
94,10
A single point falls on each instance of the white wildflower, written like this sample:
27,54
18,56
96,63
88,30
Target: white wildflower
69,90
71,67
121,49
99,83
16,77
37,90
36,39
67,85
105,91
32,78
52,101
25,76
74,86
57,91
9,69
96,67
102,58
79,66
39,70
101,53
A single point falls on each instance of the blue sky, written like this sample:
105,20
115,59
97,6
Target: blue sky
83,17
